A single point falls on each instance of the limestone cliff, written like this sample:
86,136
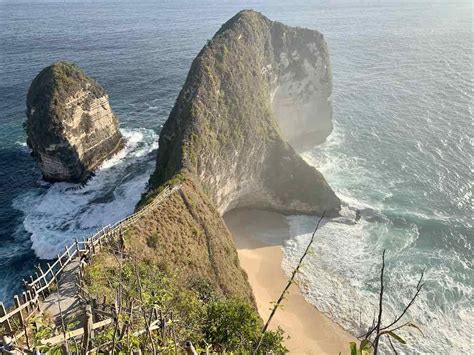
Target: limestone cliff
70,125
255,84
300,85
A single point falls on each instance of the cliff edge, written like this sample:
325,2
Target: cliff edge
70,125
254,85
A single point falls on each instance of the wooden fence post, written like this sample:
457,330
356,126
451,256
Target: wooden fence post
26,300
88,335
22,319
93,308
93,247
29,310
53,277
77,248
37,285
42,278
20,314
6,324
190,350
30,298
42,273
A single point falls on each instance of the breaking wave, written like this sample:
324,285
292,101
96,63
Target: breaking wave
56,214
341,277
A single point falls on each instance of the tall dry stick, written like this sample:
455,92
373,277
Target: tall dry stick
142,306
376,330
289,283
379,318
118,295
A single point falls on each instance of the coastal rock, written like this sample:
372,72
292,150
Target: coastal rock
300,80
70,126
256,84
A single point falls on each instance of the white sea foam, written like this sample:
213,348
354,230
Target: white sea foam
61,212
341,277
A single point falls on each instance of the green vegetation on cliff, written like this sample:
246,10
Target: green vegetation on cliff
222,129
187,234
47,95
222,144
224,148
191,308
71,128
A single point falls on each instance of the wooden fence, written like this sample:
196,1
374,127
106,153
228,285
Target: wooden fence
26,305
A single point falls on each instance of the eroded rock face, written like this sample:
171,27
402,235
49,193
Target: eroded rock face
301,85
256,84
71,127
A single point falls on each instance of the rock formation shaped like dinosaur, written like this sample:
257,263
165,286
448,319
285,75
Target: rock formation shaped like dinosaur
71,127
256,84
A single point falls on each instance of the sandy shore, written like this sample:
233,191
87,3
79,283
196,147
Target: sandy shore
258,236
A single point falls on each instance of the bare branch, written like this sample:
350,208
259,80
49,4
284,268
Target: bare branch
376,330
142,305
419,286
391,345
379,318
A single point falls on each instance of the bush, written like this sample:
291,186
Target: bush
152,240
193,312
233,325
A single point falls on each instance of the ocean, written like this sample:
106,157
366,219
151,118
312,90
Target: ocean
401,150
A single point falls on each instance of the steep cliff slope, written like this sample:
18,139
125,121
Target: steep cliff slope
71,127
187,235
227,125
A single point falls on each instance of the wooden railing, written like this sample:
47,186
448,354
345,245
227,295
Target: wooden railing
15,321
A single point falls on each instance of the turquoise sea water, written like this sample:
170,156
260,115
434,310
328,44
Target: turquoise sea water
401,150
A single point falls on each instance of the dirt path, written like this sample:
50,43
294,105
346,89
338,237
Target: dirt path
65,300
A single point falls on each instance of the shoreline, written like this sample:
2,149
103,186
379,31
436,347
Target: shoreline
259,236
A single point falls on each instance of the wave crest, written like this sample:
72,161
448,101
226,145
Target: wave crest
57,214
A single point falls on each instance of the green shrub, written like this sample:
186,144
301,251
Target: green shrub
234,325
152,240
194,311
231,325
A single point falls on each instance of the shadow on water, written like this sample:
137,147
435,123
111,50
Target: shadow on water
254,228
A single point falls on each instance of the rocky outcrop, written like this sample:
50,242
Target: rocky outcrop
300,85
256,84
71,128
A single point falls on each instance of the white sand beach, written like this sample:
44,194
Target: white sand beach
258,236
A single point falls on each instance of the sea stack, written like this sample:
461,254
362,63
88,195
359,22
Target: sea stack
254,90
70,125
224,147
